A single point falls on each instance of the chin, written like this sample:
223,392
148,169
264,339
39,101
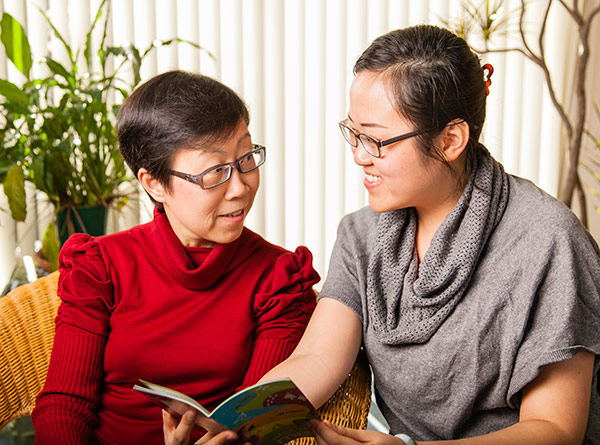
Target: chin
388,203
379,207
227,238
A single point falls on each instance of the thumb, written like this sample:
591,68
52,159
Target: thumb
351,433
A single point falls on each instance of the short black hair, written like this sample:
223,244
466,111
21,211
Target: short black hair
173,111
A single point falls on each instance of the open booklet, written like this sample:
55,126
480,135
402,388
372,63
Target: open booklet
275,412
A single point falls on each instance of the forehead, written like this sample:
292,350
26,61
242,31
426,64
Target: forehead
224,143
206,153
371,102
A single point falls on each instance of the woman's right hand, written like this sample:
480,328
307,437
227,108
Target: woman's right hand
177,432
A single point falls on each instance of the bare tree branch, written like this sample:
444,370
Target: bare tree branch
546,71
573,183
582,201
543,31
533,56
501,50
574,13
593,14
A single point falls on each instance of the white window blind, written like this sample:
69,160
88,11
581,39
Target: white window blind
292,62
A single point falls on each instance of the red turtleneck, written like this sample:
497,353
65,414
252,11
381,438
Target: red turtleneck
137,304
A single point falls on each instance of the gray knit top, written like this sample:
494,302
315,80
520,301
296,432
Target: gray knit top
531,299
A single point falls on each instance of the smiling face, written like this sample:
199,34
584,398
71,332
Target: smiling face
204,217
402,177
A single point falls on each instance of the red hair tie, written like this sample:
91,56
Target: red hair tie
488,81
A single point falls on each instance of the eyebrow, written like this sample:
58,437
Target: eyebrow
367,124
220,151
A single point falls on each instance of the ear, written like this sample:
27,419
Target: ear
152,185
454,139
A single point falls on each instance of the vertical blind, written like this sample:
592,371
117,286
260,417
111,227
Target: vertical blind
291,60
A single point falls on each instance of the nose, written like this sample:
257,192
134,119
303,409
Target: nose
361,157
237,186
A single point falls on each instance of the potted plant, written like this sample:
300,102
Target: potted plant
58,131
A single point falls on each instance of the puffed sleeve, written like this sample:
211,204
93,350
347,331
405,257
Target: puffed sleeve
282,308
65,411
83,286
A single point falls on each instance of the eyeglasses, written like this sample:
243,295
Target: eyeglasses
369,143
220,174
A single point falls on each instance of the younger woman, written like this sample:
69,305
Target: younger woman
474,293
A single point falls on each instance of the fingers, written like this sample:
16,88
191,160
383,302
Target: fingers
177,432
223,438
327,433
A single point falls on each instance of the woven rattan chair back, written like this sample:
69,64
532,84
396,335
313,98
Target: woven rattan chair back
27,316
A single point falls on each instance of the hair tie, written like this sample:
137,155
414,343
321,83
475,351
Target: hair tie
488,81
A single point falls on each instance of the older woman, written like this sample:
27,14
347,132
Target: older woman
193,299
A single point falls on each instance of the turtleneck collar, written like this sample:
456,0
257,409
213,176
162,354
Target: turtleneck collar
220,259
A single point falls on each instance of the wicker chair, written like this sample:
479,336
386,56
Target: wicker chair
27,332
26,335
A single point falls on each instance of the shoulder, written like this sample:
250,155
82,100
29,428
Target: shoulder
81,251
359,219
538,233
356,228
277,266
95,254
533,212
140,236
251,244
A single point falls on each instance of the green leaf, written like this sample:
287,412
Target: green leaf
14,189
51,245
58,35
131,54
57,68
87,52
16,43
14,94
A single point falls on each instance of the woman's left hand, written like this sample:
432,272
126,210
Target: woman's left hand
327,433
177,432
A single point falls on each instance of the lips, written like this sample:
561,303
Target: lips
234,214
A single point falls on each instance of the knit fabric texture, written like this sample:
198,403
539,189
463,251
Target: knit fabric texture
408,301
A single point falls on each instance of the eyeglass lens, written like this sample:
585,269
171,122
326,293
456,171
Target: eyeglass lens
369,145
221,173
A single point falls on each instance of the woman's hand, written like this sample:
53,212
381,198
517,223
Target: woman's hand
178,432
327,433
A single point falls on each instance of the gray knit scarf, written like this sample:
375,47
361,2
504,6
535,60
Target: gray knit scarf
407,302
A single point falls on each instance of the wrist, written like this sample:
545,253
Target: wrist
406,439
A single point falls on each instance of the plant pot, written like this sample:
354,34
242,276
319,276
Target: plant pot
79,219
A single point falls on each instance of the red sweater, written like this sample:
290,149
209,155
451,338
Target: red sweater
137,304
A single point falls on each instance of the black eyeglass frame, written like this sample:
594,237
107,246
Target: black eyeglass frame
359,137
199,178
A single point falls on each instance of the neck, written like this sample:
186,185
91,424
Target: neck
430,218
450,186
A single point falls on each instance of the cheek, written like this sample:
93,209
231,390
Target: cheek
392,168
253,183
402,165
196,201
